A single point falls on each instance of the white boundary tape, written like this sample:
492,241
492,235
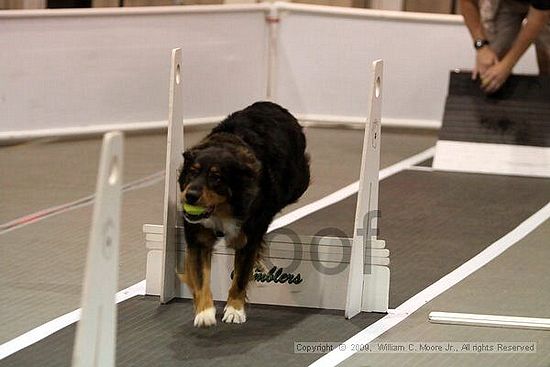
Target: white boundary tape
420,299
82,202
44,330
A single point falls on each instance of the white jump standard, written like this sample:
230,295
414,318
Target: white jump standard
302,271
95,341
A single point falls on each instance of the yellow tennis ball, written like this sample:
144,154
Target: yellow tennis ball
193,209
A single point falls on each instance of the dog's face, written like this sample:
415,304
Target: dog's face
214,178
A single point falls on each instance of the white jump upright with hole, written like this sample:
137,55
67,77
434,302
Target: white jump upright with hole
95,340
320,271
368,283
174,150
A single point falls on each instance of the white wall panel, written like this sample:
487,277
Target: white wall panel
324,59
72,68
67,69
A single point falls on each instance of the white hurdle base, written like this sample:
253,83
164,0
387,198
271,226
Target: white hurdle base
302,275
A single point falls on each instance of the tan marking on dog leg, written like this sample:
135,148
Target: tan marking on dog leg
244,264
183,278
237,242
197,276
190,275
205,312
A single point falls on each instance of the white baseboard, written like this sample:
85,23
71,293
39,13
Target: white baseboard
306,119
9,136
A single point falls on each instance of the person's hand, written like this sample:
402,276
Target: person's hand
495,76
485,58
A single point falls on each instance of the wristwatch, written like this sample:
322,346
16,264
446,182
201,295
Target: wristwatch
479,43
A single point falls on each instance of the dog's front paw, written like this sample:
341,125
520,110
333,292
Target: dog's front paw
232,315
206,318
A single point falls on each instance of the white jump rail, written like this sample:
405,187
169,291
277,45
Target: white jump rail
95,339
296,270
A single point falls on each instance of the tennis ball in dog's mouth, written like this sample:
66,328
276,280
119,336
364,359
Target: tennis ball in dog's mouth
193,209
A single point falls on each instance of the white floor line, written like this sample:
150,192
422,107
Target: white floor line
79,203
45,330
420,299
348,190
420,168
51,327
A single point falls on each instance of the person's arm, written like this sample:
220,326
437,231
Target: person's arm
495,76
485,56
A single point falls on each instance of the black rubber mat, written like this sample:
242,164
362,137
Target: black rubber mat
432,222
517,114
426,163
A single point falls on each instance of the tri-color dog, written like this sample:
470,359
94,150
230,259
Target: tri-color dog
242,174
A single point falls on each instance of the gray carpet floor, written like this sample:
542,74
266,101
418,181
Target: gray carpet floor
45,260
514,284
420,225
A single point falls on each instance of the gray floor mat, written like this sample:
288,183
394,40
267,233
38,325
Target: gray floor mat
42,174
515,284
150,334
46,259
42,265
439,221
434,221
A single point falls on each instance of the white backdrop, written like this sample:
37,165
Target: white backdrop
78,68
325,54
65,71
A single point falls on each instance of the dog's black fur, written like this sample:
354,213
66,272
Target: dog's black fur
244,172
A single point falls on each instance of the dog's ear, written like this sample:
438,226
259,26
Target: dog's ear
189,155
188,159
248,164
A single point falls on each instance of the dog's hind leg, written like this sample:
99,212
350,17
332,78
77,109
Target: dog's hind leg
197,276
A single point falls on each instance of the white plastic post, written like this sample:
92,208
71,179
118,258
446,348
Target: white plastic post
96,331
367,197
174,149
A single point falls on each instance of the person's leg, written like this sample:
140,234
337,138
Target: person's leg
507,24
487,13
542,45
